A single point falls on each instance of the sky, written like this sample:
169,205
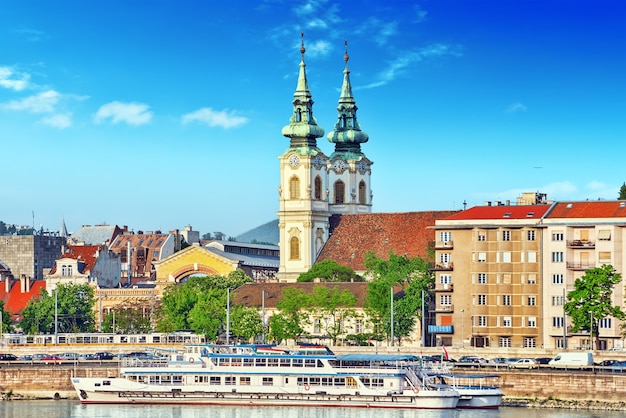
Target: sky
162,114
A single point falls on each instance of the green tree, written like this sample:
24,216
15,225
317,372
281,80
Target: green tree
329,271
7,325
334,308
622,192
198,303
590,301
409,277
129,319
289,323
246,323
74,306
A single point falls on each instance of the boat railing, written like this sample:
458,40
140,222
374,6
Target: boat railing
137,362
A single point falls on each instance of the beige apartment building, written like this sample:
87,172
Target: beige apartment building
503,271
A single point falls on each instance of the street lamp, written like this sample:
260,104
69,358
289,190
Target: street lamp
462,328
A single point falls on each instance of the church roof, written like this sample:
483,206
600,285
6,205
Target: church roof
355,234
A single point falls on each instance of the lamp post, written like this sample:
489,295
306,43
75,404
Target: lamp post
462,328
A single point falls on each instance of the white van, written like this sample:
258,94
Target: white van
572,360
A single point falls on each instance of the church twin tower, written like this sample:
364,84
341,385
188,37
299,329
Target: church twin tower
313,186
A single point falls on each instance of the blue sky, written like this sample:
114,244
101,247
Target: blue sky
166,113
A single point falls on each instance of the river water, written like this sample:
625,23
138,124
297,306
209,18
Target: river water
73,409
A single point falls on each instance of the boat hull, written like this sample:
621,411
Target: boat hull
121,391
479,398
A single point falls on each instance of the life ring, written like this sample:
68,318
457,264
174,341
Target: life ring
416,390
307,386
191,360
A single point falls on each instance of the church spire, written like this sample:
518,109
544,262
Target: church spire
347,135
302,130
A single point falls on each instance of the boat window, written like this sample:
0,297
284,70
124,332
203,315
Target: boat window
236,362
327,381
340,381
297,362
244,381
272,362
230,380
248,362
260,362
106,383
216,380
285,362
177,379
223,361
268,381
309,362
314,381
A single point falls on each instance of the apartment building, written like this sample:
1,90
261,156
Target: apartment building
503,273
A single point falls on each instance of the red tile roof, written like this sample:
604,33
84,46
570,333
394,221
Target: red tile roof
403,233
250,294
595,209
87,254
500,212
15,301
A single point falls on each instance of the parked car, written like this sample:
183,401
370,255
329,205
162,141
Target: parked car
498,360
472,359
524,363
69,356
52,359
606,363
104,355
510,360
543,360
7,357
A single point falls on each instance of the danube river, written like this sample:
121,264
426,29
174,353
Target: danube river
73,409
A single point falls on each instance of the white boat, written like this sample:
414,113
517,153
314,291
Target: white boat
476,391
248,375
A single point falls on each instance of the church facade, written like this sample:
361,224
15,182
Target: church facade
314,186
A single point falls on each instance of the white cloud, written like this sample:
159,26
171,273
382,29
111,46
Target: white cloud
11,80
308,7
61,120
318,48
516,107
130,113
44,102
223,118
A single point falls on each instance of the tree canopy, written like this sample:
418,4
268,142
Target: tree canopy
329,271
74,307
409,277
622,192
590,301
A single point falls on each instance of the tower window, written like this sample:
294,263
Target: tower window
362,191
340,191
318,188
294,188
294,248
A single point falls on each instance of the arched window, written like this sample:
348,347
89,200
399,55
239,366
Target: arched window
318,188
340,191
294,188
294,248
298,115
362,195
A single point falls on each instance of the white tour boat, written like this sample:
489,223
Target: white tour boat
476,391
265,375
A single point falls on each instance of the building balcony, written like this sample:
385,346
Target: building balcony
441,329
580,266
444,309
444,288
441,245
581,244
442,266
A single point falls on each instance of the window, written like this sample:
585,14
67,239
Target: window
604,235
532,300
557,321
215,380
531,257
506,300
445,279
317,193
482,321
532,322
506,278
506,235
317,326
482,257
362,193
155,254
445,236
506,257
64,271
294,248
605,323
445,258
482,299
268,381
557,236
557,257
557,278
532,278
445,300
482,278
530,342
358,326
506,321
482,236
244,380
504,342
294,188
530,235
604,257
558,300
69,271
340,191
